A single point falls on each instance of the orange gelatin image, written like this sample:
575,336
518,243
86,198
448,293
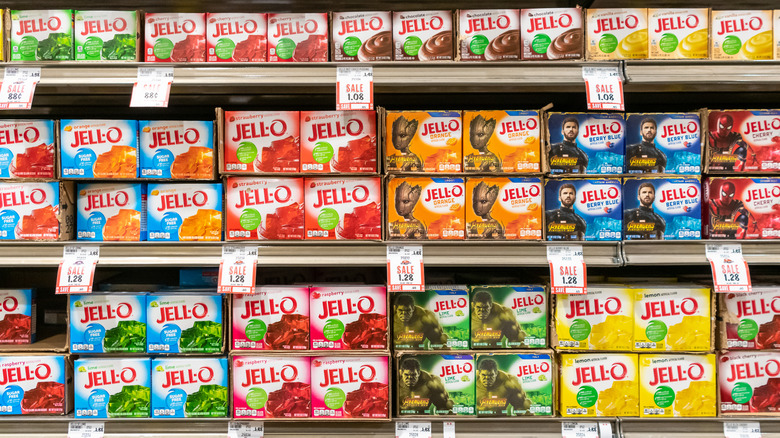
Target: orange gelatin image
204,225
197,162
119,162
125,226
42,223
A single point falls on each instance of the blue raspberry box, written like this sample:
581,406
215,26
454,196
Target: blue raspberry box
583,209
662,208
663,143
585,143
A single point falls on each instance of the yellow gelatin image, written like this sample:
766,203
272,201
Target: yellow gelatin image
602,319
677,385
599,385
695,45
672,318
759,46
634,46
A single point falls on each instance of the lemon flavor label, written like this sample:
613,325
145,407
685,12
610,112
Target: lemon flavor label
602,319
677,385
599,385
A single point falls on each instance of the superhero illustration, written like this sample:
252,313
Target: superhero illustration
403,133
406,198
728,214
411,320
645,156
418,389
493,385
488,316
483,198
480,132
727,143
564,222
643,222
568,149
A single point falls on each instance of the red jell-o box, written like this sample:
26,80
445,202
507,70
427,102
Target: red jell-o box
343,208
271,387
338,141
262,142
274,318
236,37
264,208
348,317
173,37
298,37
361,381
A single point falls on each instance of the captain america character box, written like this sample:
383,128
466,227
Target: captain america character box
663,143
744,141
662,209
585,143
742,208
583,209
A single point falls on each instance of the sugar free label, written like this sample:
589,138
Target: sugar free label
405,429
246,429
354,88
83,429
153,87
567,269
18,87
77,269
405,268
580,430
604,88
741,430
237,270
730,272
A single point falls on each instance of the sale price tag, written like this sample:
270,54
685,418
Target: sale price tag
18,87
448,429
405,268
742,430
405,429
354,88
245,429
730,271
580,429
81,429
77,269
604,87
237,269
567,269
152,88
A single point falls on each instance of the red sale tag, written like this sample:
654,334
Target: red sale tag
567,269
405,271
730,272
18,87
153,87
238,269
354,88
604,87
77,269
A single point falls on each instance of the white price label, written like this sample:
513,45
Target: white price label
580,429
354,88
237,269
405,271
77,269
730,272
18,87
245,429
605,429
82,429
406,429
604,87
742,430
152,88
567,269
448,429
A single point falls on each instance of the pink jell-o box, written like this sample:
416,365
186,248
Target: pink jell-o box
348,318
349,387
274,318
271,387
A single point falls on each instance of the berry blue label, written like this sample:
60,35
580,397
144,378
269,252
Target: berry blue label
583,209
586,143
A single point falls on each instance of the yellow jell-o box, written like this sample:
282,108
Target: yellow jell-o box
602,319
603,385
672,318
678,33
616,34
677,385
776,31
742,35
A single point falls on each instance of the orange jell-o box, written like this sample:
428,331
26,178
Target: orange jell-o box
500,208
420,141
426,208
501,141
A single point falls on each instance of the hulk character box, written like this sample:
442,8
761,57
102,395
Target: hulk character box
433,384
436,319
514,385
508,317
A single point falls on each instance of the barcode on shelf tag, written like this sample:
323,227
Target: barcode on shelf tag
86,429
448,429
238,269
406,429
730,272
580,429
741,430
354,88
567,269
246,429
77,269
152,87
604,88
18,87
405,270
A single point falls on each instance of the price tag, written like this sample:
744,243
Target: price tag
77,269
604,87
237,269
730,271
405,271
742,430
81,429
580,430
245,429
153,87
448,430
405,429
354,88
567,269
18,87
605,429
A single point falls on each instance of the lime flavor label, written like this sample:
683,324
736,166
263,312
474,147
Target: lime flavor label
102,323
112,388
42,35
105,35
184,323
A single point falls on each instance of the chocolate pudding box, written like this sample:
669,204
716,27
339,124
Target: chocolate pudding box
489,34
350,387
437,319
362,36
501,141
508,317
175,37
338,142
184,323
661,209
426,208
423,36
107,323
663,143
99,149
749,321
513,385
179,149
616,34
504,208
262,141
742,208
190,387
41,35
27,148
585,143
423,141
742,35
264,208
34,385
19,316
552,34
678,33
106,35
111,212
184,212
236,37
744,141
343,208
271,387
747,381
298,37
583,209
436,384
677,385
274,318
112,388
348,317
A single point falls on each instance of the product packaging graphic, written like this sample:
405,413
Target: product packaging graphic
262,141
744,141
616,34
661,209
236,37
175,37
432,320
112,388
552,34
489,34
185,212
343,208
508,317
510,385
748,382
501,141
440,214
298,37
419,141
33,385
434,384
31,211
603,385
184,323
742,35
663,143
264,208
338,141
362,36
273,318
108,323
27,148
583,209
516,216
742,208
672,318
189,388
106,35
271,387
677,385
110,212
41,35
423,36
585,143
18,311
602,319
350,387
678,33
177,149
99,148
348,318
751,320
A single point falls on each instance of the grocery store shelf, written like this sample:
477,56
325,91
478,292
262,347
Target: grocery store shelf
691,427
693,252
656,76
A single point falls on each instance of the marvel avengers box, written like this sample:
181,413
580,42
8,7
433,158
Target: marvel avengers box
742,208
585,143
661,208
583,209
744,141
663,143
